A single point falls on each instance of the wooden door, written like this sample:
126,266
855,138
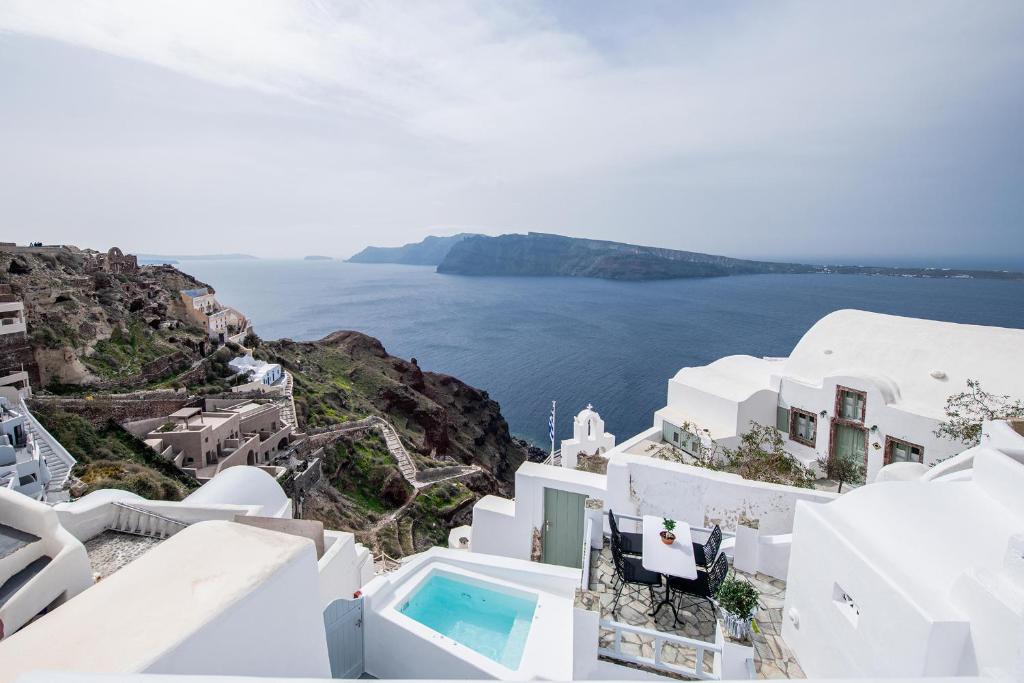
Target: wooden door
563,528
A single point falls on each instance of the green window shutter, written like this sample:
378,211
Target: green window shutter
782,419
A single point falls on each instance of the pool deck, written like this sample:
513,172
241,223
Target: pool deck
772,658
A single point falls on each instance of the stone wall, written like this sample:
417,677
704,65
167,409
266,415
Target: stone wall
99,410
16,354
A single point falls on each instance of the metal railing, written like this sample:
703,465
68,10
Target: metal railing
700,647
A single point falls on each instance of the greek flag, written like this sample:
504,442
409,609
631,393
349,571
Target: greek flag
551,423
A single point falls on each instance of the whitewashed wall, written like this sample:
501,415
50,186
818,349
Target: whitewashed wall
639,485
891,420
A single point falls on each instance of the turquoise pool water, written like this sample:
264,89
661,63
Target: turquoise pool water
490,622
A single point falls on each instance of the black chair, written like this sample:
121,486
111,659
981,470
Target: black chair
704,587
630,543
704,554
629,571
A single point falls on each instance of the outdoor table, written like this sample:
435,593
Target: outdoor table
670,560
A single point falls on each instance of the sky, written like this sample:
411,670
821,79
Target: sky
852,132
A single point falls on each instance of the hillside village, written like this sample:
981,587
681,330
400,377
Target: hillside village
142,380
152,442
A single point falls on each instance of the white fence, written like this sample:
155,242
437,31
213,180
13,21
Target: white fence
700,647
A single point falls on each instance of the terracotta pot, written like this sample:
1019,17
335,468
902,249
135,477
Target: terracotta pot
668,538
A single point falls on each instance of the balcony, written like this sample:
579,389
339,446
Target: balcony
773,659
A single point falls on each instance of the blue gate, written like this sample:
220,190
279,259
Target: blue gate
343,622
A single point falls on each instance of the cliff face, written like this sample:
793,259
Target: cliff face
541,254
430,252
349,375
100,328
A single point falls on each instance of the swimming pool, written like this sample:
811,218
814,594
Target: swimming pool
491,622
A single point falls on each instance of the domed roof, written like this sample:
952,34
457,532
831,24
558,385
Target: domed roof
243,485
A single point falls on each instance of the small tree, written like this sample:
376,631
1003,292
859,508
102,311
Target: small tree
843,470
762,456
252,341
967,410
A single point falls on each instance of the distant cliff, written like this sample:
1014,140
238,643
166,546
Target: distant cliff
430,252
540,254
543,254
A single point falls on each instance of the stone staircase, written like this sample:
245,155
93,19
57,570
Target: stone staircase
405,464
288,405
58,460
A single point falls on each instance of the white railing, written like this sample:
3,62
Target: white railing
700,647
56,447
131,519
588,529
553,459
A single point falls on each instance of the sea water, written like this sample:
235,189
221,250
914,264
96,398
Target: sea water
531,340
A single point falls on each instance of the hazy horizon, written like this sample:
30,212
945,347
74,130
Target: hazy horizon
858,133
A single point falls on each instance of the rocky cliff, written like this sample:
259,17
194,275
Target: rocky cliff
349,375
96,328
542,254
429,252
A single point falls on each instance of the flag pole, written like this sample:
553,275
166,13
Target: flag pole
551,431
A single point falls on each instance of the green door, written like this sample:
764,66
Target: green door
563,527
850,443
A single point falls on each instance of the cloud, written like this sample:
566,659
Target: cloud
490,98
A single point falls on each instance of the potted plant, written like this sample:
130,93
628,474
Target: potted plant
667,535
737,599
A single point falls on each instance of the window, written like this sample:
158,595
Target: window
782,419
850,404
897,450
803,427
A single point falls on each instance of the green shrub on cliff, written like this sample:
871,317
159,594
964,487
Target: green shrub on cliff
110,457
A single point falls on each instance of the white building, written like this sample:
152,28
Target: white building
222,323
588,437
918,575
915,578
23,468
257,371
859,385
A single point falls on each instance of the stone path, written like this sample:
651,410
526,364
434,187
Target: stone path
111,550
288,404
395,447
773,659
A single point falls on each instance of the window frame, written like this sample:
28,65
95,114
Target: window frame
839,405
793,436
890,441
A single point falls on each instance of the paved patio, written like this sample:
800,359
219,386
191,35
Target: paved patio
111,550
773,658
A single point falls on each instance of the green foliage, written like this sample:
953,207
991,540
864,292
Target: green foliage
843,470
669,524
110,457
365,472
252,341
762,456
738,596
126,350
967,410
435,506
